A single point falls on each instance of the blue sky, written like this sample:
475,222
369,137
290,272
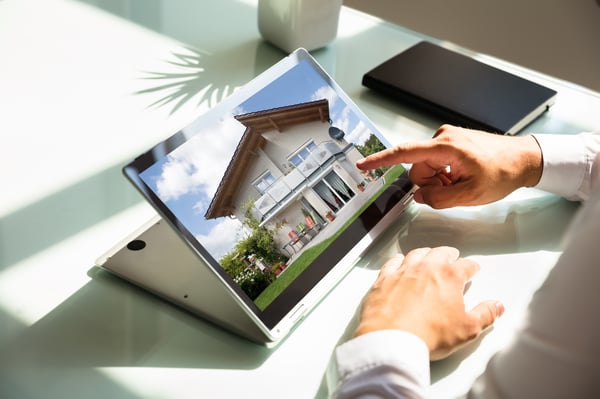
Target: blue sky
187,178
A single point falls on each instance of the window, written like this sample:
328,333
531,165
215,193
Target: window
303,154
334,191
263,183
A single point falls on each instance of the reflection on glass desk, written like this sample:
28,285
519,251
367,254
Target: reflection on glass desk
87,85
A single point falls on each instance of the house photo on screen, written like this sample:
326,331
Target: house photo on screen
282,183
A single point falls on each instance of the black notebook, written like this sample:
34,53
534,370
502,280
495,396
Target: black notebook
459,89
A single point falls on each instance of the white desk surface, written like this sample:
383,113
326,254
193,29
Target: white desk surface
77,101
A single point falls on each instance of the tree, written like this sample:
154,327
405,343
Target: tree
233,263
371,146
259,243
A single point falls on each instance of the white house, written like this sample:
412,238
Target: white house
294,168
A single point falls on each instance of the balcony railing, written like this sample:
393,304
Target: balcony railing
300,175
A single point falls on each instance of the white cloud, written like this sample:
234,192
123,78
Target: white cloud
360,134
174,180
221,238
199,164
199,208
343,121
325,92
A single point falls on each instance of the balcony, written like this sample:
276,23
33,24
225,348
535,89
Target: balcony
296,178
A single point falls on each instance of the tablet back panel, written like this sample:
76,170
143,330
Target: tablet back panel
155,258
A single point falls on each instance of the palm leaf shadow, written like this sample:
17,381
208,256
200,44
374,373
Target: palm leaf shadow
187,75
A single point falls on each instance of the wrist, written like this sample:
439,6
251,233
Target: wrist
532,161
366,328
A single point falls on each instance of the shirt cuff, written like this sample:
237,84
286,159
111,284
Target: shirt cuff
380,364
565,164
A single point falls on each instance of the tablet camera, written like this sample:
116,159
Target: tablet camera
136,245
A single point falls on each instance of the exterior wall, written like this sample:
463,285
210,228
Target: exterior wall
262,164
316,202
285,222
273,157
282,144
349,166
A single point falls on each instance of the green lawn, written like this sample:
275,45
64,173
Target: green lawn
299,265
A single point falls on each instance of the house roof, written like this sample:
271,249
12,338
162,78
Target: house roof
256,123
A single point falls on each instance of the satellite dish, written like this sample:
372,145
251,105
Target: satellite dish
336,133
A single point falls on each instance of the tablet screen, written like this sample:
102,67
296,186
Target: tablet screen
265,188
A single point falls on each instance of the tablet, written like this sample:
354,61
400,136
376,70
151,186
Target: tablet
264,198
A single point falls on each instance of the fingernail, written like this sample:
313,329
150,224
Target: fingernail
418,197
499,308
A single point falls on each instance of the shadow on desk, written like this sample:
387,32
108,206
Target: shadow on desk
111,323
33,228
511,226
531,221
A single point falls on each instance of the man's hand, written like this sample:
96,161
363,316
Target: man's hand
465,167
422,293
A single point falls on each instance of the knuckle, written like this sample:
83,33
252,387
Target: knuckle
472,329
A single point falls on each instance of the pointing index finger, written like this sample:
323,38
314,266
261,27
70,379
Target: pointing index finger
412,153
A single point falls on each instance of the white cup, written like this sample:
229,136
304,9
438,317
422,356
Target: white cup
289,24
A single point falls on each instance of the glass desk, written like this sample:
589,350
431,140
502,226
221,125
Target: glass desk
87,85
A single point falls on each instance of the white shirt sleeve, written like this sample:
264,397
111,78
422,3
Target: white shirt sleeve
382,364
555,355
569,164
